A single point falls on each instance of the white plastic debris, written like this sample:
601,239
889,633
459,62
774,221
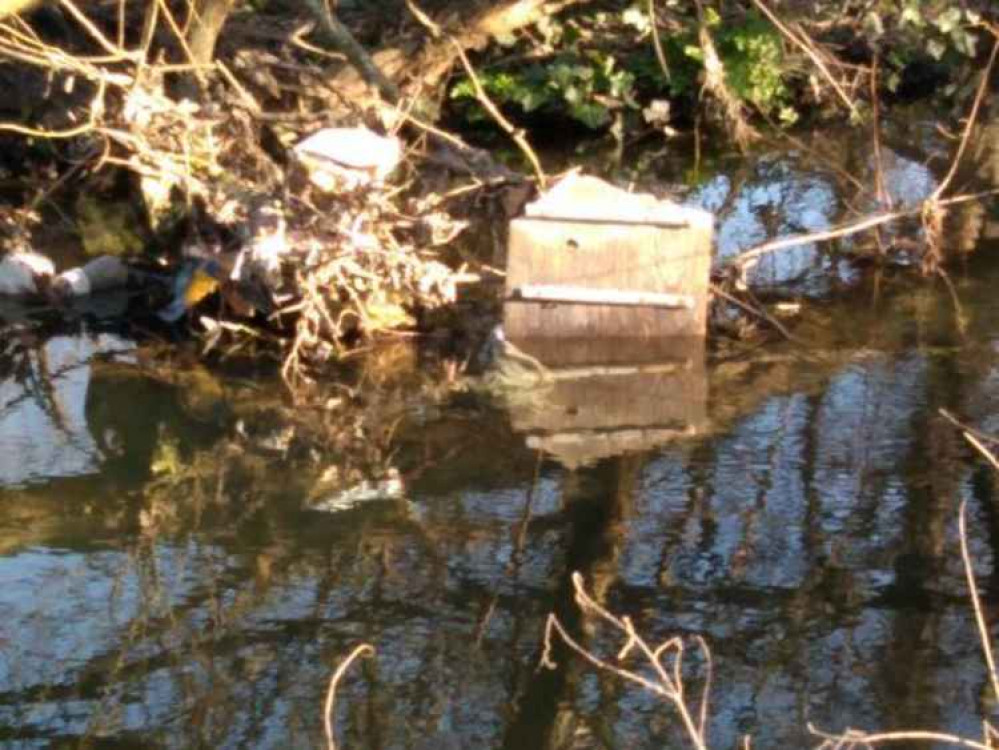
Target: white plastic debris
338,159
99,275
266,244
23,274
72,283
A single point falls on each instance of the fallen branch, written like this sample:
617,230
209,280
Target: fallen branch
516,134
750,257
714,82
340,36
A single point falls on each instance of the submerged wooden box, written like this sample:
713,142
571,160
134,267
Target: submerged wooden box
589,259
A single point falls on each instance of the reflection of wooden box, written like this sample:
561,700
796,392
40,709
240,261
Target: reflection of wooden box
612,396
590,259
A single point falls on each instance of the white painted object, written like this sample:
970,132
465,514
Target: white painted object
22,272
348,158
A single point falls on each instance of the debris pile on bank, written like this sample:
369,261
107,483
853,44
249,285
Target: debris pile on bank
265,220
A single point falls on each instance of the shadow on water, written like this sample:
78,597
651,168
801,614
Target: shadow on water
185,557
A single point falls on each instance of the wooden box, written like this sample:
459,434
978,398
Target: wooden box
591,260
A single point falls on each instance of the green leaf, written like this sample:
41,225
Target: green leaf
965,42
591,114
948,20
911,15
637,19
694,52
935,48
788,115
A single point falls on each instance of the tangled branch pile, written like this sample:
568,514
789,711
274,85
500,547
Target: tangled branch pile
285,253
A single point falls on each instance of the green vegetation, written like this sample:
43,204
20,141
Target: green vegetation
589,65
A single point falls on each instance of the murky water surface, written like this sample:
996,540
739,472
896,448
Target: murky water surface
184,558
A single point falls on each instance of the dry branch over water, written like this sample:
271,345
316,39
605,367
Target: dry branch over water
665,676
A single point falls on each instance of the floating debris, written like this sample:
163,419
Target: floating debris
346,159
25,274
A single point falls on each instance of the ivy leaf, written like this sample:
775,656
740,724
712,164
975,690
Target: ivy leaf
591,114
948,20
694,52
965,42
637,19
935,48
911,14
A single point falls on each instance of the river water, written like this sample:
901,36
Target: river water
185,556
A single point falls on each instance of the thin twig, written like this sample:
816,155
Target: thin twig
668,683
518,135
854,738
656,41
881,192
983,437
844,230
983,86
757,312
808,50
990,457
969,572
181,40
112,49
702,724
365,649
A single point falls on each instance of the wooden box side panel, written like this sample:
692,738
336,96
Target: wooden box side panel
607,256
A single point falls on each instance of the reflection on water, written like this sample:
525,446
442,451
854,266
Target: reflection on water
168,578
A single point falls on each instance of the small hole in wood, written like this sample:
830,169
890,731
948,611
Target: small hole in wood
571,244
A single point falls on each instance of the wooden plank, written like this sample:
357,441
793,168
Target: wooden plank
591,260
588,296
